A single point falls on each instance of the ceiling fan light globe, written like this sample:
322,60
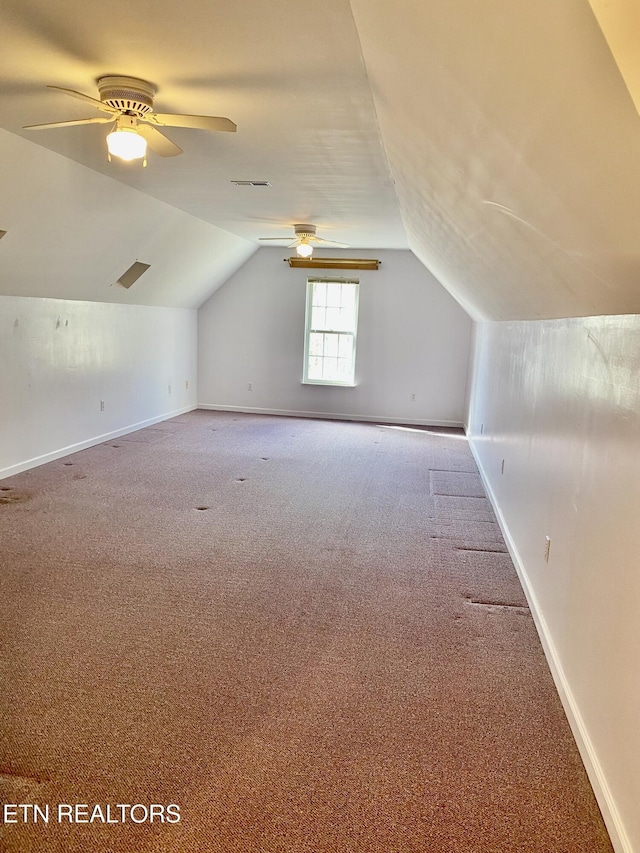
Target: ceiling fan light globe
304,250
127,144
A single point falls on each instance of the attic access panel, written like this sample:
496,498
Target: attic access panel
131,275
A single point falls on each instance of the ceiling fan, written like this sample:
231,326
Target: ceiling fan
305,239
129,104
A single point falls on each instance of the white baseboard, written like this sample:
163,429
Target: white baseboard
601,790
333,416
89,442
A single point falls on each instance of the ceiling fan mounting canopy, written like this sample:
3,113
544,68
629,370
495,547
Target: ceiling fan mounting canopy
305,231
127,93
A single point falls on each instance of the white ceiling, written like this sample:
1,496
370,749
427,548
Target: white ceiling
495,139
289,74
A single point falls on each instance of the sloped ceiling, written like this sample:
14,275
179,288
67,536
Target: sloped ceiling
496,139
291,76
515,148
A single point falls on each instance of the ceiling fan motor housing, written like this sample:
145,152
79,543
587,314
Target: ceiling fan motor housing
128,94
305,231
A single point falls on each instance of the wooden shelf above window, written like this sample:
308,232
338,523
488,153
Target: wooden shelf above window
334,263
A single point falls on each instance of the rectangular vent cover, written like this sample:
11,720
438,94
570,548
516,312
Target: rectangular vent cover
251,183
133,274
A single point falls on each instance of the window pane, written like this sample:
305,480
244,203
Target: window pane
319,293
316,343
318,318
348,297
344,369
345,347
333,295
349,317
315,368
331,345
333,320
347,321
330,368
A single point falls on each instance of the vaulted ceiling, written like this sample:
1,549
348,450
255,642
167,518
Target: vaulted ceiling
497,140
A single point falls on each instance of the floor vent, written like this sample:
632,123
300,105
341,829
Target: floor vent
251,183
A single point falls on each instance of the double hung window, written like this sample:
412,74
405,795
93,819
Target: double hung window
330,332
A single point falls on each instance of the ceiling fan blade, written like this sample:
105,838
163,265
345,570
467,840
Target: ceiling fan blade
97,104
197,122
275,238
158,142
97,120
328,242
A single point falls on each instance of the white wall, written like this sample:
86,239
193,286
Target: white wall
413,338
59,359
559,401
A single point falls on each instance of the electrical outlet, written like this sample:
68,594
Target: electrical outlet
186,385
413,396
547,548
169,387
102,405
250,386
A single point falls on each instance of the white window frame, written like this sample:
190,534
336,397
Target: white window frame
308,330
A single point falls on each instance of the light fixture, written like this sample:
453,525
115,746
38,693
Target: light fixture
304,250
125,141
334,263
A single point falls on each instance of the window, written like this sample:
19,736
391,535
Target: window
330,332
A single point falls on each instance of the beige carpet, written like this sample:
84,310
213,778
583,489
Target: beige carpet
306,635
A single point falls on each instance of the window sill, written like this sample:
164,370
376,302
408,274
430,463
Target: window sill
330,382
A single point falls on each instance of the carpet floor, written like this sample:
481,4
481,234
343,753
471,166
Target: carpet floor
297,636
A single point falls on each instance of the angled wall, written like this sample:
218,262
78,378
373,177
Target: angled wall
554,419
70,336
72,233
413,341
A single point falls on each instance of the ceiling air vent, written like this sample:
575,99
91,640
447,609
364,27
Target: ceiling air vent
132,274
251,183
